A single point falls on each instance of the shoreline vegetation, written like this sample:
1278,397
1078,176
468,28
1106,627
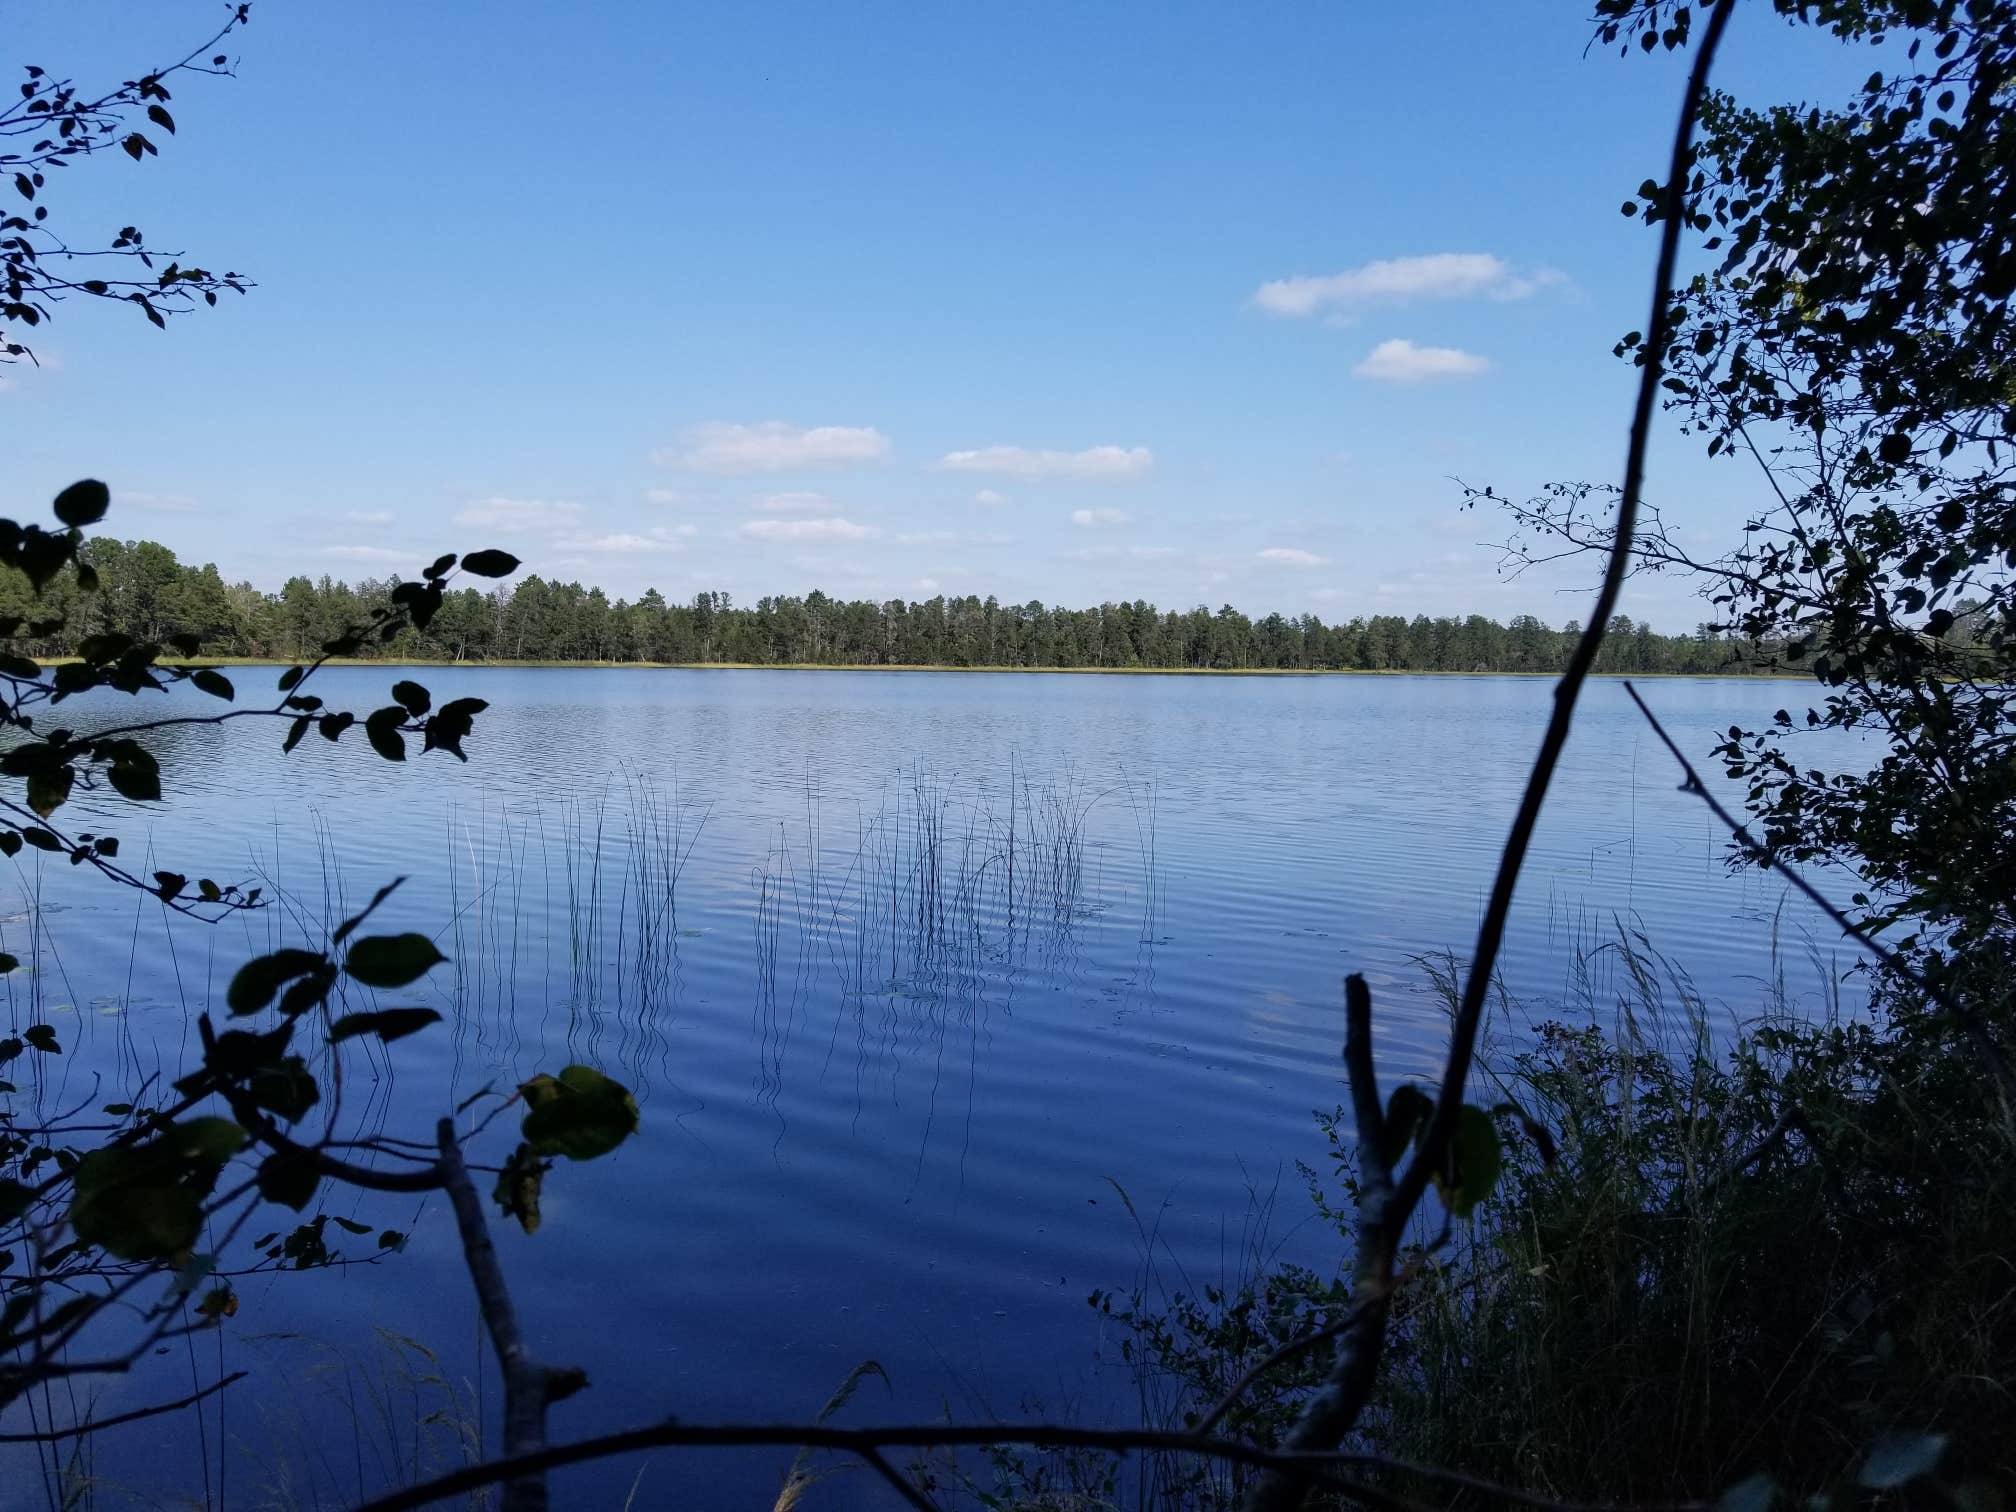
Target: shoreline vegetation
145,595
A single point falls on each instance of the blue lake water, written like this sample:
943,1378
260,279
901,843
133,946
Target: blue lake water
949,961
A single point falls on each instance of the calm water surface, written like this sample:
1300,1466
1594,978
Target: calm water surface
909,973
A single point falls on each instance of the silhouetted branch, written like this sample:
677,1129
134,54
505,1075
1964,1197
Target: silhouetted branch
1968,1021
529,1387
1320,1467
80,1429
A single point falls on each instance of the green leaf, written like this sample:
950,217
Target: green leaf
47,791
517,1190
83,503
1474,1162
132,1217
388,1024
1900,1457
213,682
257,980
43,1038
392,960
490,563
382,729
209,1140
580,1114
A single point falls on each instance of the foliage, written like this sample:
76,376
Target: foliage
51,125
1850,341
95,1202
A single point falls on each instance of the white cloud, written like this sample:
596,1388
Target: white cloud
368,554
926,537
623,541
1393,280
990,497
371,517
1091,519
1096,464
1291,556
519,514
834,529
165,503
926,586
669,496
801,501
773,446
1401,361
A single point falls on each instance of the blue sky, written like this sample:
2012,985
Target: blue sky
1192,303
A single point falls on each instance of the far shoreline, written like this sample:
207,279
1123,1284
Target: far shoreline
719,666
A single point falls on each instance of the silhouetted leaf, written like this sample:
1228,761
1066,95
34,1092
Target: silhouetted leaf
382,729
215,683
387,1023
413,697
492,563
253,986
391,960
294,733
286,1090
169,885
83,503
344,929
142,784
42,1037
289,1178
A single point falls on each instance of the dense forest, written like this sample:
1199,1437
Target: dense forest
147,594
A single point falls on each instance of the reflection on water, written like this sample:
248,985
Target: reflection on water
907,972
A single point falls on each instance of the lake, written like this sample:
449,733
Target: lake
913,974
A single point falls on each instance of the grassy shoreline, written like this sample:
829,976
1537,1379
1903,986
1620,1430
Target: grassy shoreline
716,666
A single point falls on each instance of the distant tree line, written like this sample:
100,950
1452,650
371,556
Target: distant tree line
146,593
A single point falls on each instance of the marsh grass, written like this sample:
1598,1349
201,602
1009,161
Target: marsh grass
1746,1244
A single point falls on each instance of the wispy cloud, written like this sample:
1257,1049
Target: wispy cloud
1290,556
368,554
834,529
1126,553
371,517
519,514
1096,519
1395,280
165,503
719,446
669,497
1095,464
989,498
1401,361
800,501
